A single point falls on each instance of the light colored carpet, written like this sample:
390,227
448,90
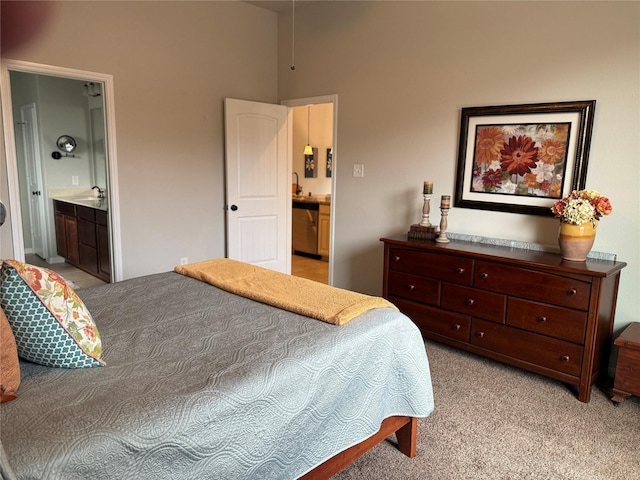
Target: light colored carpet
493,421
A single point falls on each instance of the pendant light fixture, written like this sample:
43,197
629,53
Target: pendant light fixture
308,150
293,35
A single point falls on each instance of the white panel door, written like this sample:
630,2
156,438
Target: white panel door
258,184
34,180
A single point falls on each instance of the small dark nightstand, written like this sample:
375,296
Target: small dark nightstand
627,381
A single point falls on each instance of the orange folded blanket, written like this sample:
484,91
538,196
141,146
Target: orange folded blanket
299,295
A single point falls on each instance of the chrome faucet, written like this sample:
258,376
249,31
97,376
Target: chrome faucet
298,186
100,191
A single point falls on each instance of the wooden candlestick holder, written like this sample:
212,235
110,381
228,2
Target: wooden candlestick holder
442,236
426,209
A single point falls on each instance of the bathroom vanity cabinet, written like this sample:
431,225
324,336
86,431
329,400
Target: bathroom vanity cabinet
66,225
82,238
529,309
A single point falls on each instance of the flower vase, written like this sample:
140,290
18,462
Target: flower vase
576,240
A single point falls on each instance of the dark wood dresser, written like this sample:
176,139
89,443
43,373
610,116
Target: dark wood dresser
525,308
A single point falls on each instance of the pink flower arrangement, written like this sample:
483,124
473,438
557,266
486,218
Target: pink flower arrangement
582,206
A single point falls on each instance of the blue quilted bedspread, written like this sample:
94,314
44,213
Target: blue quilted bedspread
201,383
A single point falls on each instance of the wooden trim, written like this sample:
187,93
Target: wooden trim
405,428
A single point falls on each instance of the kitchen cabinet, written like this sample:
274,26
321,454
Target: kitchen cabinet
82,238
324,230
529,309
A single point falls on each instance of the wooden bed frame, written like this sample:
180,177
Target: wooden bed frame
405,428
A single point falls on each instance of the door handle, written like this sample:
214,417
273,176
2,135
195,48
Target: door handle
234,208
37,192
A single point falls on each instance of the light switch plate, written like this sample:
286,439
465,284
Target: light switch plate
358,170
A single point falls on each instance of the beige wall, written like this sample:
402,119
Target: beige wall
403,71
173,63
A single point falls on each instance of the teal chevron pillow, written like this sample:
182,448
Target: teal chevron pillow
50,323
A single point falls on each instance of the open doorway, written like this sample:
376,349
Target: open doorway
42,104
314,122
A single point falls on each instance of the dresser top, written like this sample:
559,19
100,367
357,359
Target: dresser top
517,256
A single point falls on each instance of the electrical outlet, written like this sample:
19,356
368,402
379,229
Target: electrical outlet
75,180
184,261
358,170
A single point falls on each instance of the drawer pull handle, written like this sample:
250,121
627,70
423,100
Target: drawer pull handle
573,291
542,319
480,334
459,270
565,358
410,287
484,275
396,258
469,301
456,326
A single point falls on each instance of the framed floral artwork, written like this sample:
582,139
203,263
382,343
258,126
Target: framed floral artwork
522,158
329,167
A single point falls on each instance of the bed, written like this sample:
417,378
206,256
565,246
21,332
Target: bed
203,383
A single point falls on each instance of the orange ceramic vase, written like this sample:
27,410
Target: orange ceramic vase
576,240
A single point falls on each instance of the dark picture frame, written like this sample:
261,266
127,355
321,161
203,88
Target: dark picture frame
329,165
522,158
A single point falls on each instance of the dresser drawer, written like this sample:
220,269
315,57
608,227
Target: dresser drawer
530,347
413,287
471,301
433,265
532,284
430,319
548,320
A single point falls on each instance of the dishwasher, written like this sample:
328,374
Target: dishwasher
305,227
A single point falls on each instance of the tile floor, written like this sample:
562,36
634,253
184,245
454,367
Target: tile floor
310,268
70,273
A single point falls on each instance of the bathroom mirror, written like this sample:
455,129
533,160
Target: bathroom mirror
66,143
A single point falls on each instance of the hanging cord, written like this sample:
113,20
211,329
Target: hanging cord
293,34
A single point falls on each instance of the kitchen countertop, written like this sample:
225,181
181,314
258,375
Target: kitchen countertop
86,201
319,199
